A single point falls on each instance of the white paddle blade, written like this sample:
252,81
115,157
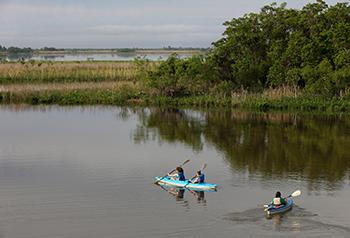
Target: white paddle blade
296,193
203,167
266,206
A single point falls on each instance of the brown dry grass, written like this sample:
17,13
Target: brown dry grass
47,72
278,93
20,88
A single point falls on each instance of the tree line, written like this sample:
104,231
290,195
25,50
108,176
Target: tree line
307,49
16,50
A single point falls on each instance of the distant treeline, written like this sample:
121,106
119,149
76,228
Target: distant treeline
16,50
304,49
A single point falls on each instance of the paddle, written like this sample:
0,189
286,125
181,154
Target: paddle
190,180
185,162
296,193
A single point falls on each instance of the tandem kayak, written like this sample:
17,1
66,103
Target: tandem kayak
182,184
271,209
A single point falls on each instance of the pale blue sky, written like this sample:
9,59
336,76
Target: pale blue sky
115,23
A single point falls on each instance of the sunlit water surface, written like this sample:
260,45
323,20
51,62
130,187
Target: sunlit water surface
88,172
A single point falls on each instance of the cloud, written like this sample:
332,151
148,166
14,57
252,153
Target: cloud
120,23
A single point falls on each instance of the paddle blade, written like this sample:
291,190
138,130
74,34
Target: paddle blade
203,167
186,161
296,193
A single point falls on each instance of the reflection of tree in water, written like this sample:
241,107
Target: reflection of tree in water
314,148
171,125
281,145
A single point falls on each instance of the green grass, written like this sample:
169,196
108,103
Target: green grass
73,97
116,83
128,95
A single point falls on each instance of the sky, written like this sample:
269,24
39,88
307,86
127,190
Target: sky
121,24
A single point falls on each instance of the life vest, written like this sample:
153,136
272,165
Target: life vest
201,178
181,176
276,201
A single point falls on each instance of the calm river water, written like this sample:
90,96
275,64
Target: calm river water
88,172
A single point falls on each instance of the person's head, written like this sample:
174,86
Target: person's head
179,169
199,172
278,194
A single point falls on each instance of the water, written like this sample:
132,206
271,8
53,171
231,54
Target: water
88,172
94,57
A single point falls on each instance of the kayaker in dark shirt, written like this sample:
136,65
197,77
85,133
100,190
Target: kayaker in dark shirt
199,178
278,200
178,174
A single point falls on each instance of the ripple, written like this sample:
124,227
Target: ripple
296,220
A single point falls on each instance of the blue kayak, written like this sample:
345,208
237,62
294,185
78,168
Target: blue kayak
182,184
271,209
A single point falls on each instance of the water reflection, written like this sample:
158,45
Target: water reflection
280,222
311,148
179,194
297,147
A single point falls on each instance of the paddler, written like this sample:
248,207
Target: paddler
278,200
199,178
178,174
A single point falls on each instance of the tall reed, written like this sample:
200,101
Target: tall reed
49,72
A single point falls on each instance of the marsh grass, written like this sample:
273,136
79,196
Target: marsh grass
129,94
120,83
106,96
59,72
27,88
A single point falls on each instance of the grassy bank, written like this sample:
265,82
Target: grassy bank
121,83
86,94
128,94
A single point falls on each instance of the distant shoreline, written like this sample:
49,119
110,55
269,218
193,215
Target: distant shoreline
114,51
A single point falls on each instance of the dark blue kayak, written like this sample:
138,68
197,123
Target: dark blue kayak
271,209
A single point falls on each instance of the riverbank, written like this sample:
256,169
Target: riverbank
130,94
122,84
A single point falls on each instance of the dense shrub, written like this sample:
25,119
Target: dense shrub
180,77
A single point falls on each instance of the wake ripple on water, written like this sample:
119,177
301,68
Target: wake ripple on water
296,220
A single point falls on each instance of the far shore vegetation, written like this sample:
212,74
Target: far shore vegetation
12,50
277,59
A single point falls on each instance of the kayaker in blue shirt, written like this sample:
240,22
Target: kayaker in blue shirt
178,174
278,200
199,178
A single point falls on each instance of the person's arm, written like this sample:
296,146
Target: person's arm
195,179
283,201
174,174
